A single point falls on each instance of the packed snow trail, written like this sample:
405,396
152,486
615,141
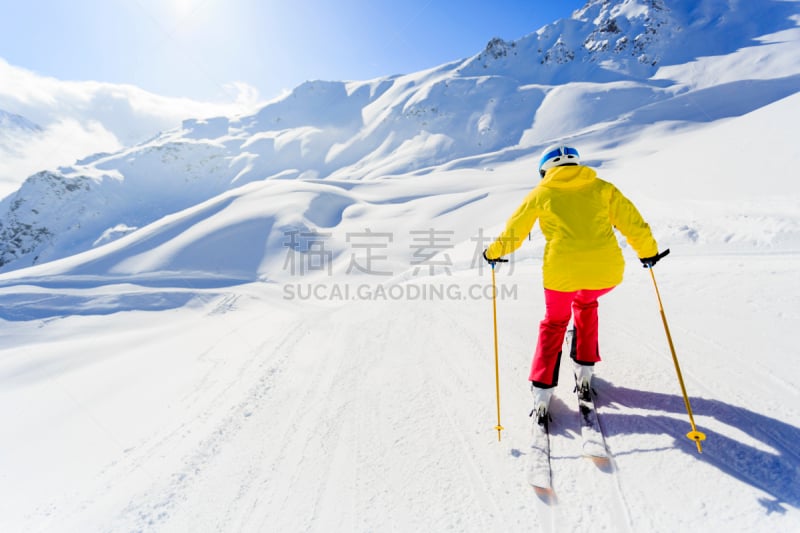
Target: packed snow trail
243,410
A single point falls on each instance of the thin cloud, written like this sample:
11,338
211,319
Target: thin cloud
80,118
58,144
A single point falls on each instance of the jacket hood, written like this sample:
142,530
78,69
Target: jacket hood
568,177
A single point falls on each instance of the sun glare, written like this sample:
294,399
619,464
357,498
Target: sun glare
182,8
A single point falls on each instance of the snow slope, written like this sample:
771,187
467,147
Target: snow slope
197,374
506,101
248,425
205,404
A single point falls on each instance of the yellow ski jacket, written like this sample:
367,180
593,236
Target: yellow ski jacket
577,213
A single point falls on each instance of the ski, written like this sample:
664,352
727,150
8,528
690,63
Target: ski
593,444
539,474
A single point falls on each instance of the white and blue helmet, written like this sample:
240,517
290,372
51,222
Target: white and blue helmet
556,155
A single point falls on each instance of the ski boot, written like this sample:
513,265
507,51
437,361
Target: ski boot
541,404
583,381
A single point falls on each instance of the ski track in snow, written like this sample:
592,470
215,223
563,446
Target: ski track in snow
380,415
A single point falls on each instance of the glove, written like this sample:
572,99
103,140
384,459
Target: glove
494,261
648,262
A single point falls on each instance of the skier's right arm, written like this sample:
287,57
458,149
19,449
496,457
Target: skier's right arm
517,227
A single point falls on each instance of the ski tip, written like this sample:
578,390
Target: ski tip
546,494
602,462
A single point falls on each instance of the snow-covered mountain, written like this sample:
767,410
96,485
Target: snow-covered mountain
611,63
280,321
11,124
12,128
76,118
612,40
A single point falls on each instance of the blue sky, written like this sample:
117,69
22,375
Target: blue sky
197,48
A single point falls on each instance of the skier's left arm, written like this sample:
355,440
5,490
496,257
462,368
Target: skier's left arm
626,218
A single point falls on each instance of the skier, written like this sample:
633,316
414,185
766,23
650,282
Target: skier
577,214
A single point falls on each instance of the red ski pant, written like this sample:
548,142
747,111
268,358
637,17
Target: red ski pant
558,308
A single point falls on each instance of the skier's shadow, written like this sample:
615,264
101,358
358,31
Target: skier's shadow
775,472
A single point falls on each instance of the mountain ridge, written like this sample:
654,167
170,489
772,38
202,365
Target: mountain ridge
507,98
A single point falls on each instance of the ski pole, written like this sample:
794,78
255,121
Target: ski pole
498,427
694,435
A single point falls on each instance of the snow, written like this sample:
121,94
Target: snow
180,367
